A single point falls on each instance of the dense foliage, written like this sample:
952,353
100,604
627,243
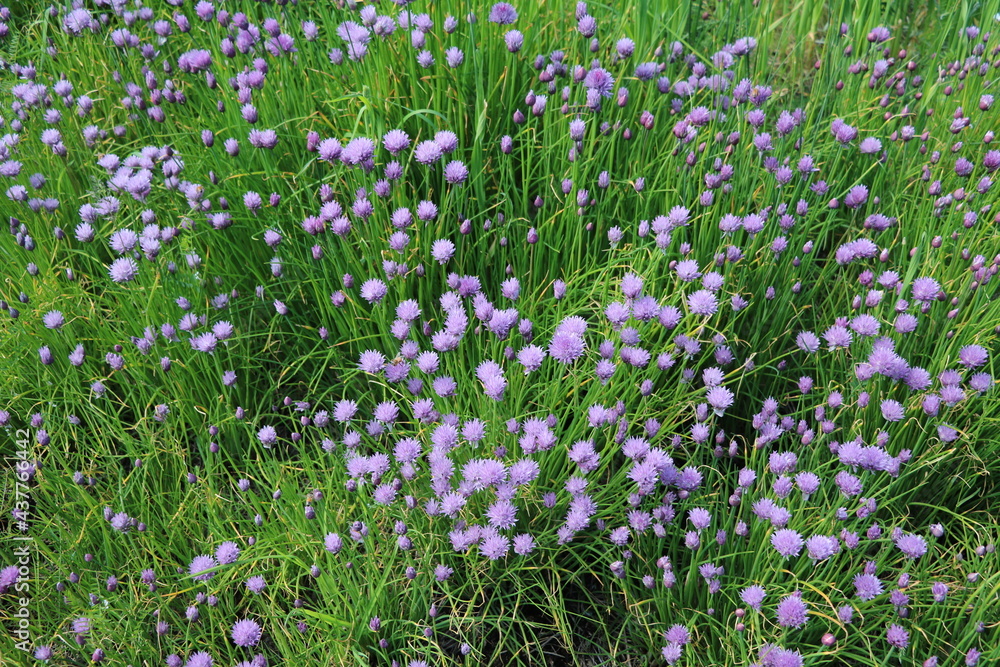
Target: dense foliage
455,333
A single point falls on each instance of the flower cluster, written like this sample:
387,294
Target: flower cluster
619,319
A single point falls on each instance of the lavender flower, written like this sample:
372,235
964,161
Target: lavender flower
925,289
973,356
199,566
514,40
427,152
455,172
791,611
256,584
753,596
268,436
787,542
897,636
266,139
599,80
503,13
719,398
892,411
867,586
702,302
123,270
374,290
912,546
395,141
246,633
53,320
228,552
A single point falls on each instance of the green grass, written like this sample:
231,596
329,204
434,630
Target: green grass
562,603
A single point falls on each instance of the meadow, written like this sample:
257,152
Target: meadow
458,333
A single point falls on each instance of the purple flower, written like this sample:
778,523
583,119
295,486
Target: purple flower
395,141
454,56
228,552
879,34
897,636
81,626
753,596
456,172
514,40
374,290
865,325
329,150
787,542
807,341
84,232
386,412
204,342
246,633
867,586
502,514
791,611
912,546
427,152
77,21
870,145
531,358
503,13
333,543
980,382
843,132
256,584
856,196
8,577
267,436
442,250
199,565
566,347
702,302
524,544
446,140
973,356
53,319
672,653
123,269
494,546
199,659
925,289
892,411
720,399
371,361
857,249
357,38
600,80
427,210
194,61
821,547
838,336
358,151
266,139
